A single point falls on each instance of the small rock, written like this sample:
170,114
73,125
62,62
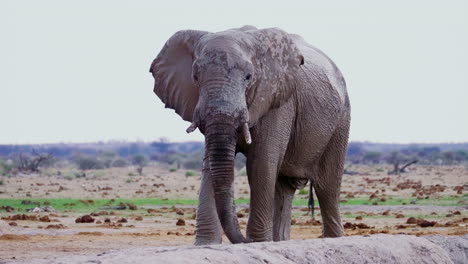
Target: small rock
84,219
411,220
179,211
45,218
426,223
180,222
13,224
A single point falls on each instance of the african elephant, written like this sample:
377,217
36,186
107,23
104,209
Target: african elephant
276,99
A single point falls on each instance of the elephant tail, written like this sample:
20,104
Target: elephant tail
311,199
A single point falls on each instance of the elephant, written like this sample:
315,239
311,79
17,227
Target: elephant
275,98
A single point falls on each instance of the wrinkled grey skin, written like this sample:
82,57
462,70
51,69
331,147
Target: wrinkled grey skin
295,103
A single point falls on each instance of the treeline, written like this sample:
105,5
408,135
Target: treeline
434,154
189,155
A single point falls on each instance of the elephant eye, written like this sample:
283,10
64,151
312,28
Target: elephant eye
195,77
248,77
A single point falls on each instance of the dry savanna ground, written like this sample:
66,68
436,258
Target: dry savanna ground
116,208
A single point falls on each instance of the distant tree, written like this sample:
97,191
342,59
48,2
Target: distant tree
107,158
396,158
448,157
161,146
140,161
119,163
372,157
86,162
354,152
6,167
30,163
461,156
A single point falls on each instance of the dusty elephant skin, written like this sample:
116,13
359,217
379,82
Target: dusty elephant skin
353,249
271,96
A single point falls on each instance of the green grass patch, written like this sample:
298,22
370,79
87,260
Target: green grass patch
380,216
443,201
190,173
74,205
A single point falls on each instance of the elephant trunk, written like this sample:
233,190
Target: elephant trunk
221,137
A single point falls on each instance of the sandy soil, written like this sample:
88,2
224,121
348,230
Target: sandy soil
157,226
158,181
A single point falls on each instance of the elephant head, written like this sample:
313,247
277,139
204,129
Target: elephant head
224,83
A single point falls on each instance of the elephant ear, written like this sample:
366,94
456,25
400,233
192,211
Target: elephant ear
277,61
172,72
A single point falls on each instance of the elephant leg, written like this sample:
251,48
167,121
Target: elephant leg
328,183
264,157
284,194
262,179
208,227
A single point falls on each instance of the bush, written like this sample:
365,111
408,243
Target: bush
70,175
5,167
119,163
139,160
89,163
1,182
172,170
190,173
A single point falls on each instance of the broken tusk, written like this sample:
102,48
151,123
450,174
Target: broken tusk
248,138
191,128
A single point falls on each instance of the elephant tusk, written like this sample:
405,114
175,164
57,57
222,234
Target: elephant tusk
248,138
191,128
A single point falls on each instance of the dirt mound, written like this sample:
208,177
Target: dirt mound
355,249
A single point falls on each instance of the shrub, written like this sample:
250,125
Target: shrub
139,160
119,163
1,182
172,170
3,167
70,175
89,163
190,173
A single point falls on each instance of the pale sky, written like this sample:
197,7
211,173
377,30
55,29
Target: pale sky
77,71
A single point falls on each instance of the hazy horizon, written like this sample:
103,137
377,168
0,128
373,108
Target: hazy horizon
78,72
